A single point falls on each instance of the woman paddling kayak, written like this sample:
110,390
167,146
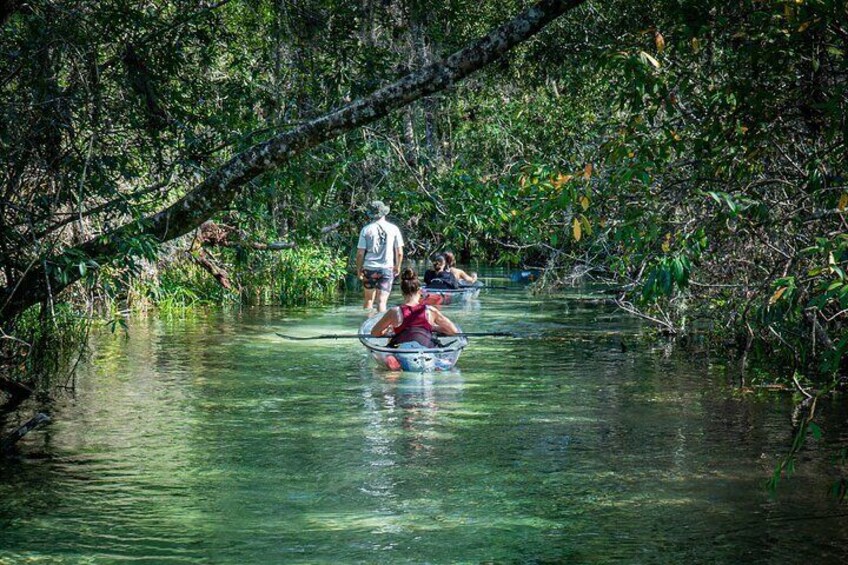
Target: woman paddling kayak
446,285
458,273
413,323
436,279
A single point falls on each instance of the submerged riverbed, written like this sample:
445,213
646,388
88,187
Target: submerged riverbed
210,440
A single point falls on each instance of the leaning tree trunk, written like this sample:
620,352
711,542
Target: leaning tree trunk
219,189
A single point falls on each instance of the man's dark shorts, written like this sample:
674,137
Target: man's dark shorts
380,279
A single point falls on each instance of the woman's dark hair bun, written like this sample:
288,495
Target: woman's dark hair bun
409,283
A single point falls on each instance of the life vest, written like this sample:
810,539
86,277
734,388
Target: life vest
440,279
414,327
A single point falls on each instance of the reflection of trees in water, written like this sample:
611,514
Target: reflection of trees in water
121,456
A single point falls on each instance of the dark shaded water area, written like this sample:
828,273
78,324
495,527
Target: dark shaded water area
207,439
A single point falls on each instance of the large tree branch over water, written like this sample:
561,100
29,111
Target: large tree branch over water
218,190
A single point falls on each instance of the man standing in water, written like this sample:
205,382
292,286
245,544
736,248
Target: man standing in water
379,255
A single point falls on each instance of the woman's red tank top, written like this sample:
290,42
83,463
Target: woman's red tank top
414,317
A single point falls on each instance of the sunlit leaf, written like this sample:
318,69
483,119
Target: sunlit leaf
659,40
561,179
587,171
587,226
576,229
647,58
584,202
696,44
777,294
843,202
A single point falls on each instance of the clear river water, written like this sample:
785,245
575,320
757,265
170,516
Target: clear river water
207,439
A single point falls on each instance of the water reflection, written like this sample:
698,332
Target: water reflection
210,440
415,406
469,305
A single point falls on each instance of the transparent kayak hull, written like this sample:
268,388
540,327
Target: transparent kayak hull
446,296
417,359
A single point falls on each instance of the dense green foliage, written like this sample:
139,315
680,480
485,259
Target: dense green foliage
47,347
691,152
305,275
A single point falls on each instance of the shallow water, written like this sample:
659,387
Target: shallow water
210,440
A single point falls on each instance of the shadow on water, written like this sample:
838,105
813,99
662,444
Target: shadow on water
209,440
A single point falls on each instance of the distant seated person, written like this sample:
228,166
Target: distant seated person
459,274
413,323
440,277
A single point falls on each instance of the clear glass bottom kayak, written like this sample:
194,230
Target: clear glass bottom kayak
446,296
412,356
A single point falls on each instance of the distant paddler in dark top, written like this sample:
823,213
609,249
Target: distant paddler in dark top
440,277
413,323
379,255
461,276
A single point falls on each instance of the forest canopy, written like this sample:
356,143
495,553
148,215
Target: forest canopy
691,153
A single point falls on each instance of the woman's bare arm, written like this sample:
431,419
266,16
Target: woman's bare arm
389,320
463,276
441,322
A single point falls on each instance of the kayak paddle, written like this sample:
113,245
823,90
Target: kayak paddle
357,336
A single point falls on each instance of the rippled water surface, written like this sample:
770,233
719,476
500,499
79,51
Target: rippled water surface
210,440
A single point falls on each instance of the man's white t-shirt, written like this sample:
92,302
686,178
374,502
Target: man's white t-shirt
379,239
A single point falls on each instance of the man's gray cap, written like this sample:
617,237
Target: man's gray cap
377,209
